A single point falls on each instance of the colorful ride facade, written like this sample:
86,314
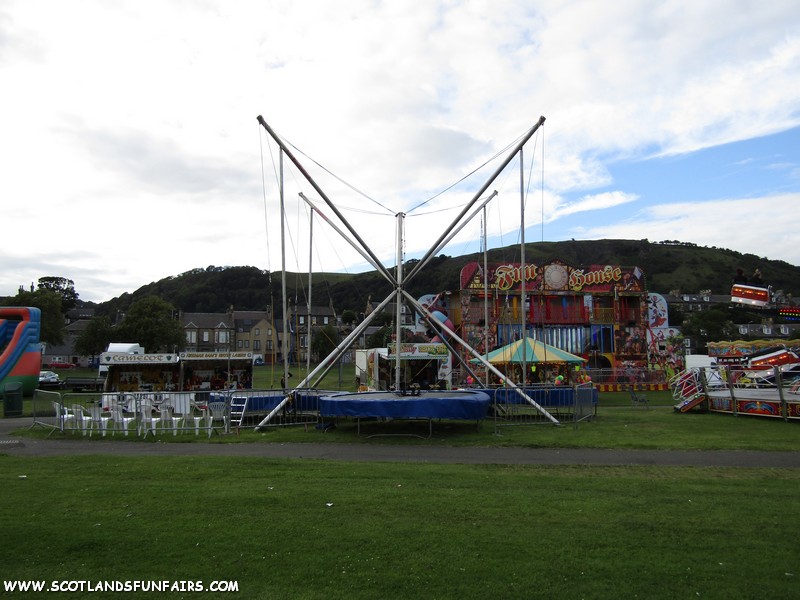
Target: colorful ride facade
601,312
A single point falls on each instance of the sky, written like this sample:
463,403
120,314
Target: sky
131,151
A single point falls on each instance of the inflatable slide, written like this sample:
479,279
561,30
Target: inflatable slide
20,353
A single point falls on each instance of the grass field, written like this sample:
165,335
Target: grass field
321,529
312,529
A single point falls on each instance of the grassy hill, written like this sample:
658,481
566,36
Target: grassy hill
668,265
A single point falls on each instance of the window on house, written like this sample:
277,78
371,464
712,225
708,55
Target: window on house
258,332
247,344
206,336
256,345
324,320
301,319
240,344
191,337
269,345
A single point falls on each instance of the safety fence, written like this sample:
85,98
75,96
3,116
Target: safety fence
621,379
585,403
566,404
146,414
617,379
248,408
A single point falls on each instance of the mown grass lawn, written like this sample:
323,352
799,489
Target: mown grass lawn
314,529
321,529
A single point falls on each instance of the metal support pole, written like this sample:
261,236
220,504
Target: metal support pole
485,296
308,302
399,304
285,309
522,297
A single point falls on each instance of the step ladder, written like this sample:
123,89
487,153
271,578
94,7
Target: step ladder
238,410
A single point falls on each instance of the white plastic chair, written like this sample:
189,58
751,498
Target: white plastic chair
217,411
63,415
119,419
99,419
82,418
197,415
168,415
181,402
147,418
184,408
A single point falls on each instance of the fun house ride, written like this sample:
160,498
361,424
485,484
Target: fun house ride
600,312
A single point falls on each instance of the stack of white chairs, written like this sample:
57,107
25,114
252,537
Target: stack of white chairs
148,417
183,403
197,414
99,419
83,420
63,415
119,419
169,415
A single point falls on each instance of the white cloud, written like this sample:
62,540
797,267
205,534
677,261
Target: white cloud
764,226
133,125
594,202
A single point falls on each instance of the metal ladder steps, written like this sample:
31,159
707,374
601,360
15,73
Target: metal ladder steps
238,410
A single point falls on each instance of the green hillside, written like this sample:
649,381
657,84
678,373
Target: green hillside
668,266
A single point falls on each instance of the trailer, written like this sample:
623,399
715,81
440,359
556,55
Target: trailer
141,372
171,371
427,365
206,371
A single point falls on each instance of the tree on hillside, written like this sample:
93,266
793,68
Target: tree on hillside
99,333
63,287
150,322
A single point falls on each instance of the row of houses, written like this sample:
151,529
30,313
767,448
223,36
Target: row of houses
256,332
